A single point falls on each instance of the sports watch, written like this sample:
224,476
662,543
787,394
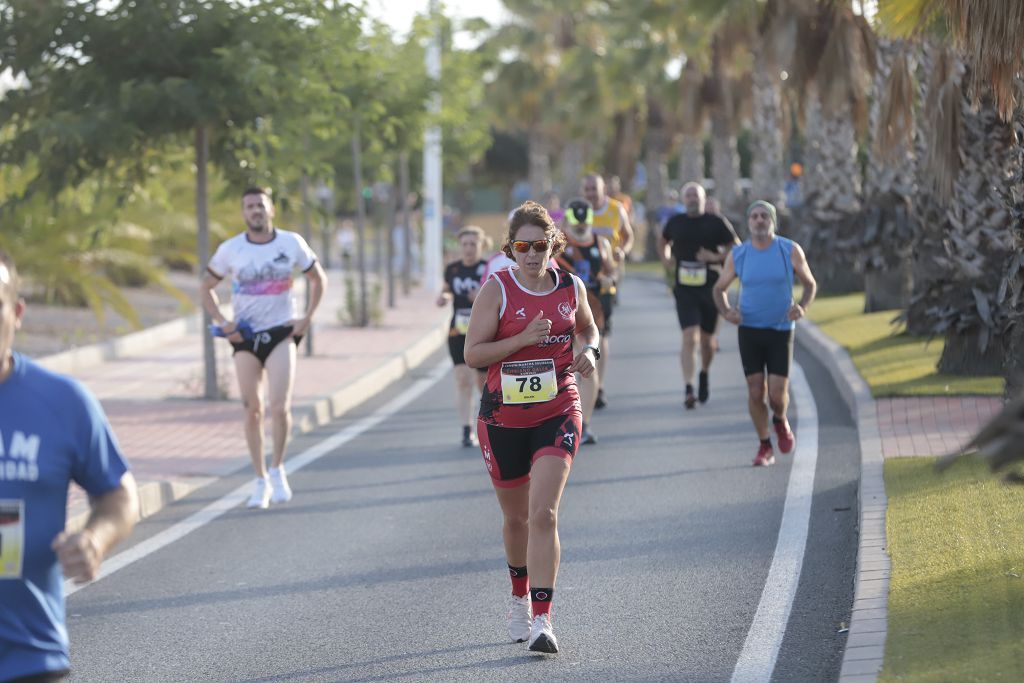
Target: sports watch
595,349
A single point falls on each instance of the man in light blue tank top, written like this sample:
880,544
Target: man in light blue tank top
766,317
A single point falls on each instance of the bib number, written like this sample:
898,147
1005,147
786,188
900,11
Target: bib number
462,320
528,381
693,274
12,538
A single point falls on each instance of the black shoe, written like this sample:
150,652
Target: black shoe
600,402
467,438
587,437
690,401
702,388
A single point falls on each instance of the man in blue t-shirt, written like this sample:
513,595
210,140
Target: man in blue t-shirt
766,317
52,432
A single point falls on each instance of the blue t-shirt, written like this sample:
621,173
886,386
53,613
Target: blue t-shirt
52,431
766,283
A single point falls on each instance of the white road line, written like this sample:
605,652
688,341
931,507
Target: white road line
761,649
231,500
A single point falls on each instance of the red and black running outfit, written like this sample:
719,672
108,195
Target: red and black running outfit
513,436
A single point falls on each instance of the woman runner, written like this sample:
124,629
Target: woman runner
522,329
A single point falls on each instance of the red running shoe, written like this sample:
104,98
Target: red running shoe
765,456
784,435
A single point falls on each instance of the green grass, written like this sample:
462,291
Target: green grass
892,362
956,597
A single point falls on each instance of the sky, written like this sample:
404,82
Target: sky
399,13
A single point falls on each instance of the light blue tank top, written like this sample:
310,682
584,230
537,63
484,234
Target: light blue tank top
766,283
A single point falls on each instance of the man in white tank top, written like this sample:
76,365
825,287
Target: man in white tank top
261,263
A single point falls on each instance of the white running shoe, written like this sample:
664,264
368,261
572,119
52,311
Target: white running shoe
542,638
519,618
279,483
260,497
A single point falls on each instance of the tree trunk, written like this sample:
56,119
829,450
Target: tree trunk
886,290
540,165
962,355
724,161
572,169
1012,300
202,150
657,172
403,184
357,165
691,160
307,234
766,172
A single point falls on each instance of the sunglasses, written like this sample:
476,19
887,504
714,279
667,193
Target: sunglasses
523,246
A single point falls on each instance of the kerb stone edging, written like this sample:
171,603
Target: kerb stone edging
865,644
155,495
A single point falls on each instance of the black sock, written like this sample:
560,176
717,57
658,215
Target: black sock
465,431
766,442
541,599
689,388
777,420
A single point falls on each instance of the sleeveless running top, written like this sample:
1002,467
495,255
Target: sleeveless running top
519,306
585,261
766,280
608,222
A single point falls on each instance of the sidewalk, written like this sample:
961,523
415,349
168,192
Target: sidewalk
177,442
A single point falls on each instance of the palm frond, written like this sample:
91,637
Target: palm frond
944,113
896,120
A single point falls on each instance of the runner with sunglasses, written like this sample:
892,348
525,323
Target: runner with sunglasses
522,329
590,256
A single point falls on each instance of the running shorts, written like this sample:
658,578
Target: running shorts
764,349
262,343
510,452
695,306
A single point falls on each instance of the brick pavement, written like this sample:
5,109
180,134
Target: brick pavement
931,425
173,438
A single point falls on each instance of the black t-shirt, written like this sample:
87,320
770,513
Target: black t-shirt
687,234
463,280
585,261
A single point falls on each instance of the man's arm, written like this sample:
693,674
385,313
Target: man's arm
316,280
803,272
721,287
112,518
625,231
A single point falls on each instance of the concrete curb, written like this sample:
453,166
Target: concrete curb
68,362
865,644
156,495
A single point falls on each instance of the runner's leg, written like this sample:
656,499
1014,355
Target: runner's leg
464,392
756,391
547,480
515,529
280,379
249,372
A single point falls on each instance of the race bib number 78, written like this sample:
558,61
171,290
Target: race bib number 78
528,381
12,538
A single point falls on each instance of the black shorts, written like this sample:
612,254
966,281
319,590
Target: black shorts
47,677
696,306
509,452
606,308
765,349
457,349
262,343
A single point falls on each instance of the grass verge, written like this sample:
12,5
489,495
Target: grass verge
892,362
956,598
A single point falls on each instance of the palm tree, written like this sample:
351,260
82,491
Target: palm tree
889,183
975,170
837,83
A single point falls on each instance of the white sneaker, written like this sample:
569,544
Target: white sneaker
542,638
260,497
279,482
519,618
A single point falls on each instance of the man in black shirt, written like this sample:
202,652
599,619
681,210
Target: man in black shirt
699,243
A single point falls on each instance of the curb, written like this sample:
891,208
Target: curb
156,495
865,644
68,362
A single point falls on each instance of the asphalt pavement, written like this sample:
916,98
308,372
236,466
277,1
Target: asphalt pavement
388,563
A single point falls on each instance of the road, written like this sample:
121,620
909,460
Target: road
388,563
